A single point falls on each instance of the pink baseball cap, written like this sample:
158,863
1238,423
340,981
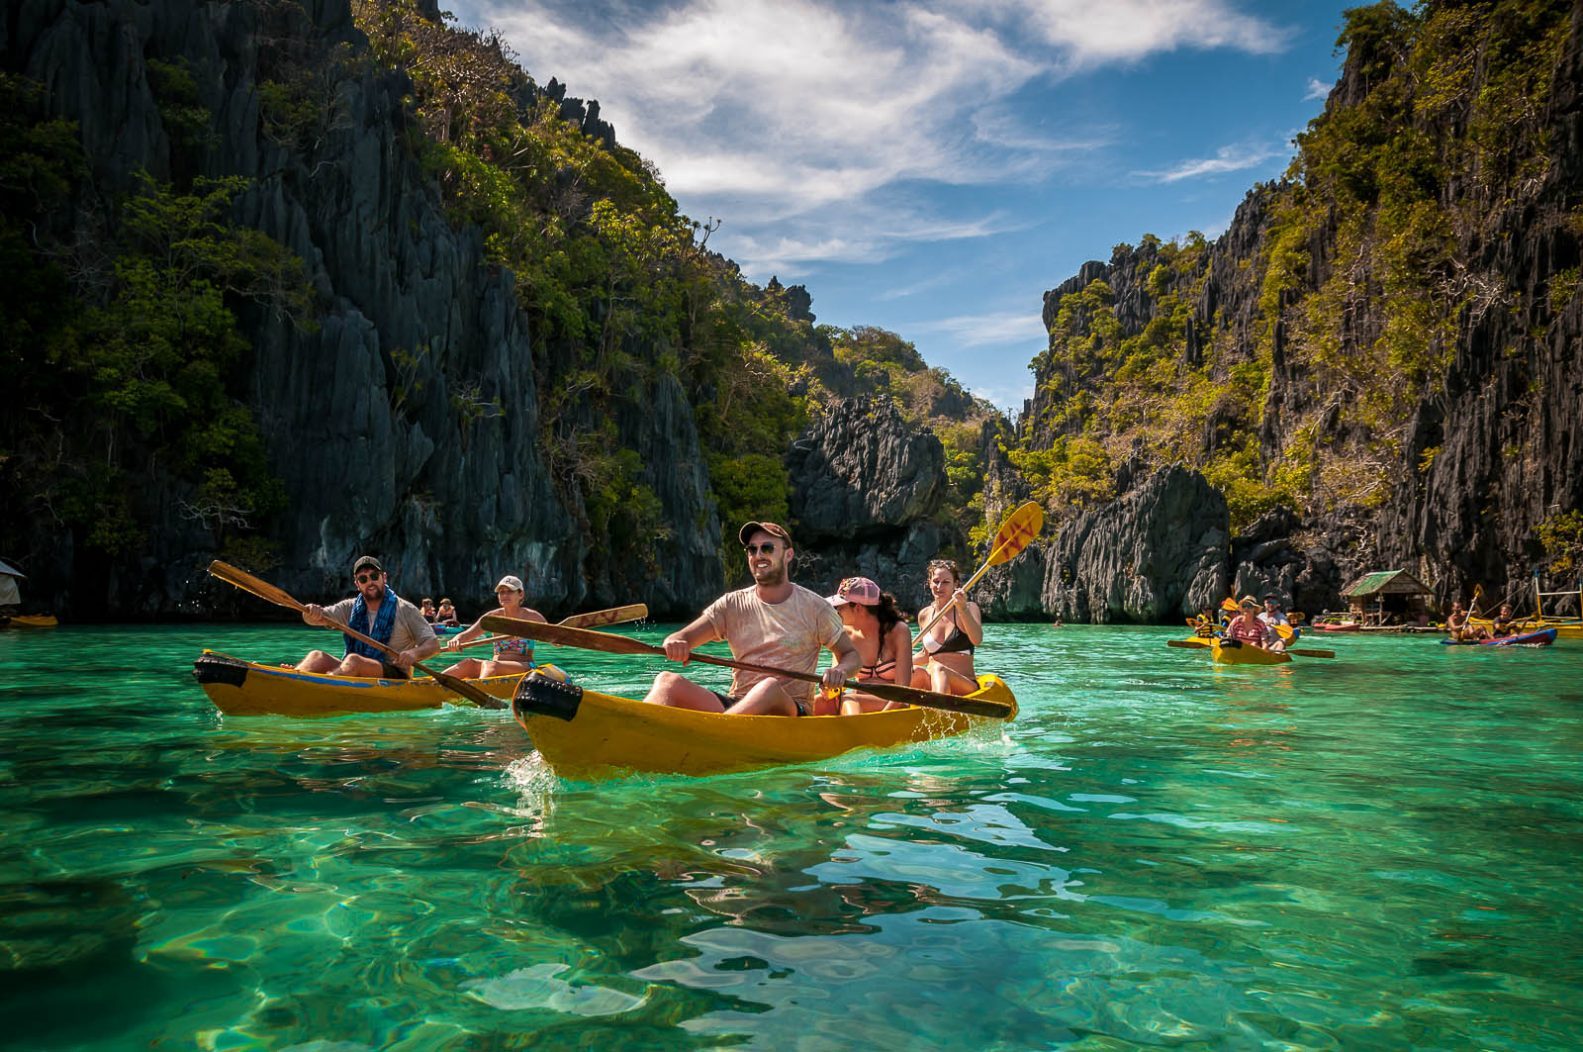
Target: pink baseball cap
858,590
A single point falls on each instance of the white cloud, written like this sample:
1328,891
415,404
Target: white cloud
1226,159
987,330
1317,89
766,110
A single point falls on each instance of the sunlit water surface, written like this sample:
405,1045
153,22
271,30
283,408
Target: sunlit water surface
1380,851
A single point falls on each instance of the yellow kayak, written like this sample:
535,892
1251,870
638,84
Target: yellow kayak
32,621
584,734
247,688
1248,655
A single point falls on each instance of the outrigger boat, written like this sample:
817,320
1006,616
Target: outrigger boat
247,688
583,734
1541,638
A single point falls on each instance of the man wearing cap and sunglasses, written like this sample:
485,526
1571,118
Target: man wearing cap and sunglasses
375,611
773,622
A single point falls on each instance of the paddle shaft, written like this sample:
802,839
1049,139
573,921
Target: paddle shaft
609,643
269,593
614,615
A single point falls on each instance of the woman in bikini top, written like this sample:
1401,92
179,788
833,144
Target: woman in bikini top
951,641
876,627
513,655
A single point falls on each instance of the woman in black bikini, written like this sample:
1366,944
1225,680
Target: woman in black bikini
878,630
948,667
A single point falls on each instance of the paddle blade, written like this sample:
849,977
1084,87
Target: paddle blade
1311,652
239,578
1016,532
566,636
1183,644
1230,605
616,615
464,689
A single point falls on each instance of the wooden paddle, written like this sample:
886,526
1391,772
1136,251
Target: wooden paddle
615,615
1299,651
609,643
270,594
1016,531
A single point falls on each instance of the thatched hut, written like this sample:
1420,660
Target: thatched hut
1388,597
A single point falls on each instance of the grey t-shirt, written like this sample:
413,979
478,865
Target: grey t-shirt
410,629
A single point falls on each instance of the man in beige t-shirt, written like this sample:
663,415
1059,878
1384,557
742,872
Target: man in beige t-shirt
774,623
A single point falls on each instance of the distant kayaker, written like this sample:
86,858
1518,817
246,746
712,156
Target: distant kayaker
949,643
879,631
1458,628
1247,629
513,654
1272,614
446,614
426,608
773,622
376,611
1503,625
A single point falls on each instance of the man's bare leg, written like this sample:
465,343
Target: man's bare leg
679,692
767,697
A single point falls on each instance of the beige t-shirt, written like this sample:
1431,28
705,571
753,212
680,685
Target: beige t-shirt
410,629
788,634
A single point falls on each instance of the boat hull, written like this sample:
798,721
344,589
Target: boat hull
1246,655
1349,626
32,621
1543,637
247,688
583,734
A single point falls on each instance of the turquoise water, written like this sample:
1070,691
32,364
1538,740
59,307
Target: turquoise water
1380,851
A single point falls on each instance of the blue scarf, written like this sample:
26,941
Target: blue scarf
384,624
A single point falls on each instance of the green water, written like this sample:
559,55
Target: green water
1380,851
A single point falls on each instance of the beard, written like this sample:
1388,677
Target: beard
770,576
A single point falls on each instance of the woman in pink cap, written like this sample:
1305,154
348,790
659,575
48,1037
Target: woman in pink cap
513,655
878,630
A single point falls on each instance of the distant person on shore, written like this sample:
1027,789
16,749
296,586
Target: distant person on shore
426,608
513,654
378,612
773,622
446,614
879,632
948,645
1247,630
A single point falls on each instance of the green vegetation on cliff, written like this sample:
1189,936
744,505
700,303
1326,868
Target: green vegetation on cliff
1360,281
122,355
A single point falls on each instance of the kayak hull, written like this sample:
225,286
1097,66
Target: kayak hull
582,734
247,688
1247,655
32,621
1542,638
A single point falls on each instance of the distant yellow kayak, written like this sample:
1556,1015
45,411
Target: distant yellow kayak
32,621
585,734
1248,655
247,688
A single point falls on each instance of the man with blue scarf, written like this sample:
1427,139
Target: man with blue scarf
376,611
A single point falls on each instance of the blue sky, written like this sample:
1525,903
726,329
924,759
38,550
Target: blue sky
934,167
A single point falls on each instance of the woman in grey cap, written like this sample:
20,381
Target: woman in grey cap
513,655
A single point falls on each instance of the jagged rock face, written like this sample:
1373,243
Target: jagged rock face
1157,553
405,420
866,487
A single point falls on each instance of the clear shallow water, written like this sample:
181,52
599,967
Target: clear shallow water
1380,851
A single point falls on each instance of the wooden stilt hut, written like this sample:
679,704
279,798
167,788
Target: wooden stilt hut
1388,597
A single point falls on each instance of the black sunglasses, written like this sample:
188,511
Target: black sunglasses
364,578
767,548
